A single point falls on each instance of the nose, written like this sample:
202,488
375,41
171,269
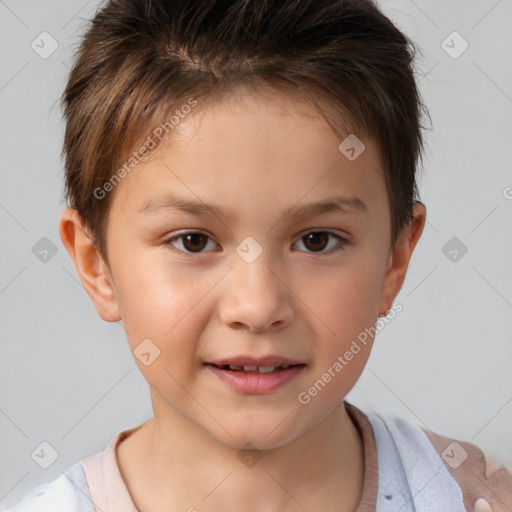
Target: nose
256,297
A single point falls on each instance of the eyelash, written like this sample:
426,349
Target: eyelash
343,242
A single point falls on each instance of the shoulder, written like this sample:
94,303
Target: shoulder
478,475
452,471
67,493
412,477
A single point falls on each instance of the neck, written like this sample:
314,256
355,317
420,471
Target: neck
320,469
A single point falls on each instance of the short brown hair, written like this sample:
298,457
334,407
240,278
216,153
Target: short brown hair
139,60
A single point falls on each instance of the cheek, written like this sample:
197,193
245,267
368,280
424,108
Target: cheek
345,298
160,303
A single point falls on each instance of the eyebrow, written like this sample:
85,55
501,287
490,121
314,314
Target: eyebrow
171,203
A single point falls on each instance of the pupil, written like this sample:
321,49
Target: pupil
314,237
194,237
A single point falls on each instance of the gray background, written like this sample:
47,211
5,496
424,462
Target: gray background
68,378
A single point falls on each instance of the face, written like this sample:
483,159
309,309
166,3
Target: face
264,274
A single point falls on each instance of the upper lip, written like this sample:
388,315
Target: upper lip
253,361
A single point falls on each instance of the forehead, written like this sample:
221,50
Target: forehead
251,148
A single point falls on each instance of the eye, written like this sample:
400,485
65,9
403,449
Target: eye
192,241
316,241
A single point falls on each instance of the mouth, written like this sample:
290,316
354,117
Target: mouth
255,369
252,376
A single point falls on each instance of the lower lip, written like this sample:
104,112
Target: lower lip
256,384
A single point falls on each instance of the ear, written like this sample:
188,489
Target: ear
399,257
92,270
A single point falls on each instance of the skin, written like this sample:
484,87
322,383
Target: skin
259,156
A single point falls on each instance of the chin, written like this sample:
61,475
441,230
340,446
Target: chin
259,437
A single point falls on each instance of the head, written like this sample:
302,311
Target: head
253,111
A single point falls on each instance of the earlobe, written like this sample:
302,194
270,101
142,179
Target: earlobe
91,268
400,257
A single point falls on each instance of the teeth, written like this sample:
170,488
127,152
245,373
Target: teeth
260,369
266,369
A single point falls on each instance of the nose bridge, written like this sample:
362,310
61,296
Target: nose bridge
254,274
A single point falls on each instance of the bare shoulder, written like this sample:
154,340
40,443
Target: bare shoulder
485,483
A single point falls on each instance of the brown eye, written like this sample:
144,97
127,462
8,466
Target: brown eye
194,241
191,242
316,241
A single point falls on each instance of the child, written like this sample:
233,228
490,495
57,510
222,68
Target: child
255,129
